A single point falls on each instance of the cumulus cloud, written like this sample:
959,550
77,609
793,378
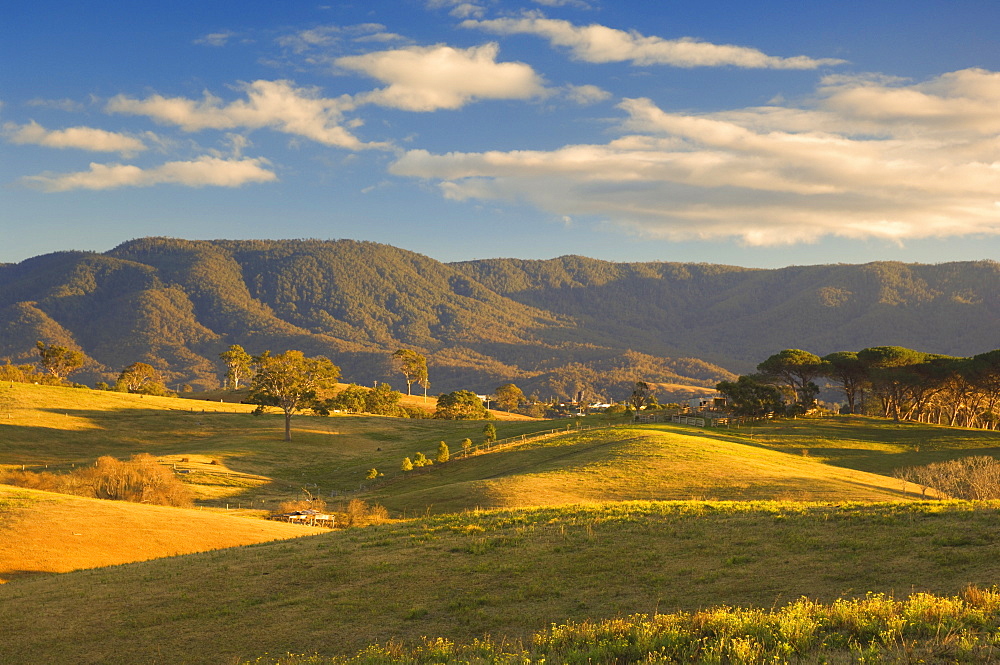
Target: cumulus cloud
601,44
865,159
83,138
427,78
278,105
201,172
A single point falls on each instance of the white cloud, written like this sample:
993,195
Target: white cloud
460,8
865,159
427,78
83,138
274,104
579,4
68,105
216,38
601,44
327,36
586,94
201,172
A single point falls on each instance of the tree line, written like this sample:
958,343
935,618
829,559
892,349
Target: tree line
889,381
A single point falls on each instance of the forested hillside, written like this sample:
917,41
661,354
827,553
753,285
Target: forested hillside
554,327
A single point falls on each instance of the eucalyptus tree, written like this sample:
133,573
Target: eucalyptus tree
238,366
59,361
290,381
412,365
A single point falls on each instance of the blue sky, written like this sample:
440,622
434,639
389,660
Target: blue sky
758,134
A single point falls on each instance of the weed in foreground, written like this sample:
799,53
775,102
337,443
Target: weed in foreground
875,629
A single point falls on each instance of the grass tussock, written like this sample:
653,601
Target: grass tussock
141,480
922,628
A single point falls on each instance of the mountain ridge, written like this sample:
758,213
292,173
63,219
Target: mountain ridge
554,326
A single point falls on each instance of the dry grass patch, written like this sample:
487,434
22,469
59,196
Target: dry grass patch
42,532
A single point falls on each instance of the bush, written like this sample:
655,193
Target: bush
443,453
141,480
359,513
971,478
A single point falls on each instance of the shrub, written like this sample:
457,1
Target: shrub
443,453
141,480
407,464
359,513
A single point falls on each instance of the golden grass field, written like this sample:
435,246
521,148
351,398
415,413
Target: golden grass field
43,532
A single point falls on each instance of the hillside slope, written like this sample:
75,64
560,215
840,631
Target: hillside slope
43,532
648,462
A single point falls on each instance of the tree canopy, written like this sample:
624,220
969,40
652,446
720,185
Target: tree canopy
238,366
412,365
290,381
139,377
508,396
460,405
59,361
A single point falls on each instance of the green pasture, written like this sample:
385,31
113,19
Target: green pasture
505,573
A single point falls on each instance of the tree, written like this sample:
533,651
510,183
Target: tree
749,397
466,444
460,405
137,376
443,453
641,394
845,368
289,381
238,363
384,401
351,399
412,365
407,464
59,361
508,396
890,370
796,369
489,433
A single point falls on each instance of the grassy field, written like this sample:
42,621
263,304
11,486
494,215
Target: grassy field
504,573
55,428
574,527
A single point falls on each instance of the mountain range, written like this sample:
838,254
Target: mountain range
554,327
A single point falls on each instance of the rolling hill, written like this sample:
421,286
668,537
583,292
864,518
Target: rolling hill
554,327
